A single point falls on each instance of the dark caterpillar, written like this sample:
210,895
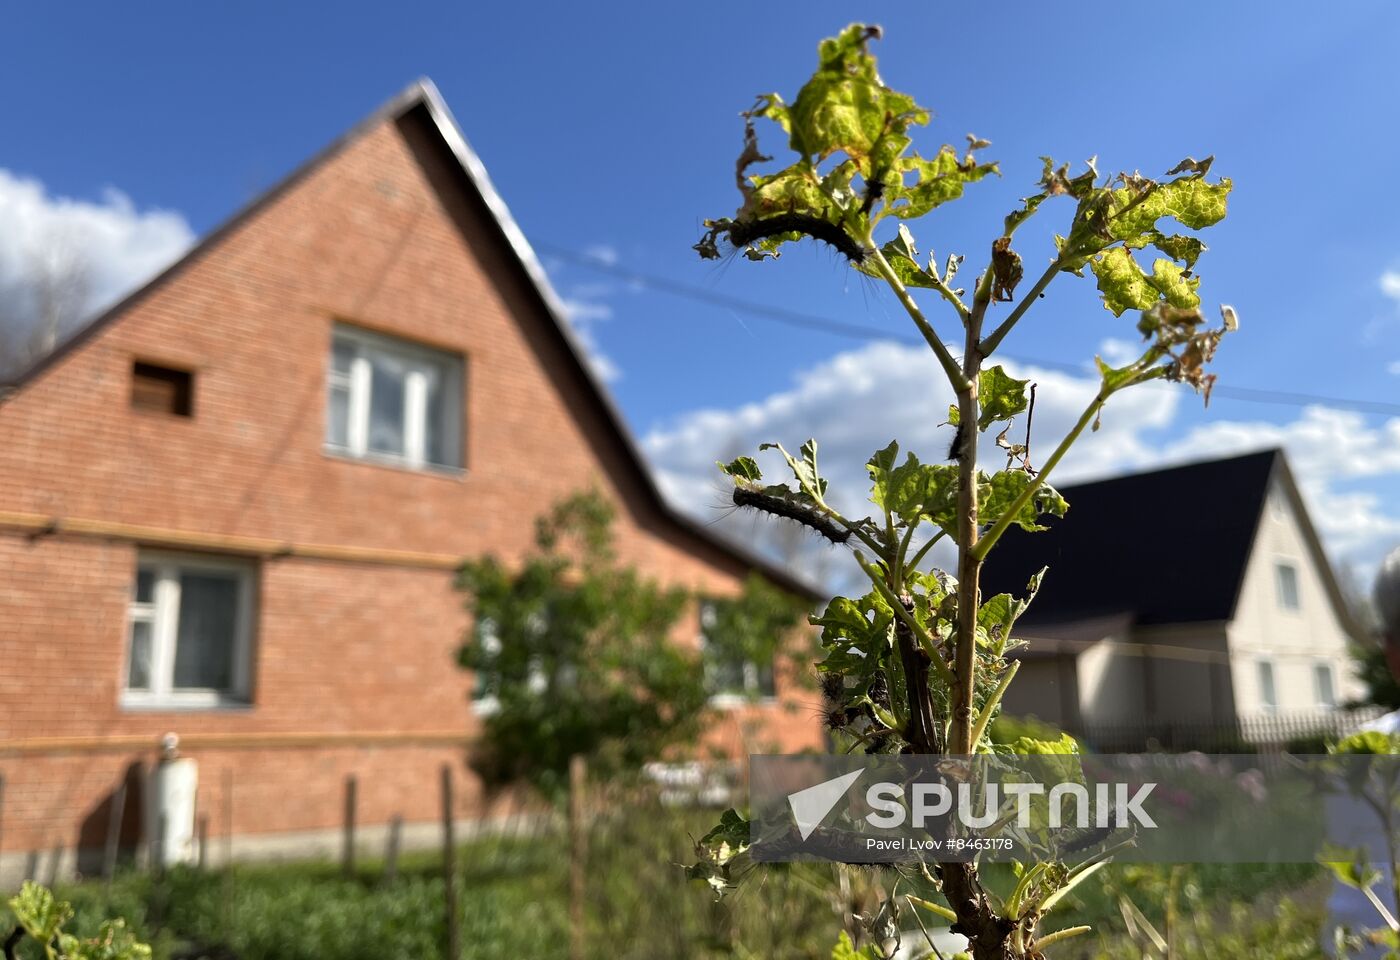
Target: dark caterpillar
792,510
744,232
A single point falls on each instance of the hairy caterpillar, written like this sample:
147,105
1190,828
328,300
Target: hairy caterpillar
742,233
783,507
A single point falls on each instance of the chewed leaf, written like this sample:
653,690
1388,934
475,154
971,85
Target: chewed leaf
1121,281
912,489
846,121
742,468
936,182
1001,396
1001,490
1176,288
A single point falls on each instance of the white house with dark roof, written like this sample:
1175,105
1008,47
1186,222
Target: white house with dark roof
1194,596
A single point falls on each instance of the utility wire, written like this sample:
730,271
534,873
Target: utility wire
860,331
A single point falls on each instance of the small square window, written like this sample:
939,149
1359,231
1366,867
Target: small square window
1286,577
162,389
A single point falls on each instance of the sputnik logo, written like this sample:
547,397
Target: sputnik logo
810,806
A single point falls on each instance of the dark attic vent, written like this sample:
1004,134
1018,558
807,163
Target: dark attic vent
160,389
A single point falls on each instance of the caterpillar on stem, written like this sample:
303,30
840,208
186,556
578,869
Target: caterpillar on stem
744,233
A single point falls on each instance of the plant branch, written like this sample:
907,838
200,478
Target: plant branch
985,717
993,339
925,640
948,294
1059,935
945,358
969,561
1087,417
923,551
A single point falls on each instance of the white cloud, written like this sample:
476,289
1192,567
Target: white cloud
1393,368
101,250
856,401
603,253
1326,448
1390,284
585,308
1118,353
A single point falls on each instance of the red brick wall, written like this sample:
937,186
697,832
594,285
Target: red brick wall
379,236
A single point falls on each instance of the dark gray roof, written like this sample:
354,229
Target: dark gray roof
1169,546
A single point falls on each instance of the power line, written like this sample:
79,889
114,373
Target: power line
867,332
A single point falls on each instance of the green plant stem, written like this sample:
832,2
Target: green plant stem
950,365
949,295
1059,935
903,550
1087,417
969,561
993,339
923,551
985,717
904,615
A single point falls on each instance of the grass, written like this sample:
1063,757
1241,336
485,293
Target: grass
514,897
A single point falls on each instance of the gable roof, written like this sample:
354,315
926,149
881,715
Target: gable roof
422,99
1165,547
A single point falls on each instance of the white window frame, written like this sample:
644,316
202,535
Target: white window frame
163,613
1319,669
753,693
1267,668
1280,594
358,384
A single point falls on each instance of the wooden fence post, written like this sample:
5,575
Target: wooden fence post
391,852
449,867
112,847
348,854
578,854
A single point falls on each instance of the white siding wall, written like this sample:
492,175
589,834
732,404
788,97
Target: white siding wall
1110,684
1295,641
1043,689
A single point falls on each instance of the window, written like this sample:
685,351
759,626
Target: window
1324,692
190,625
162,389
1268,695
729,678
1286,577
393,401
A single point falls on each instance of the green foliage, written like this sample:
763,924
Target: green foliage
918,662
579,652
43,918
1381,686
846,950
847,113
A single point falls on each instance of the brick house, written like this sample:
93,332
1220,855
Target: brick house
232,507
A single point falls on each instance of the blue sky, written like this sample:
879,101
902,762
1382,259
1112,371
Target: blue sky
614,129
